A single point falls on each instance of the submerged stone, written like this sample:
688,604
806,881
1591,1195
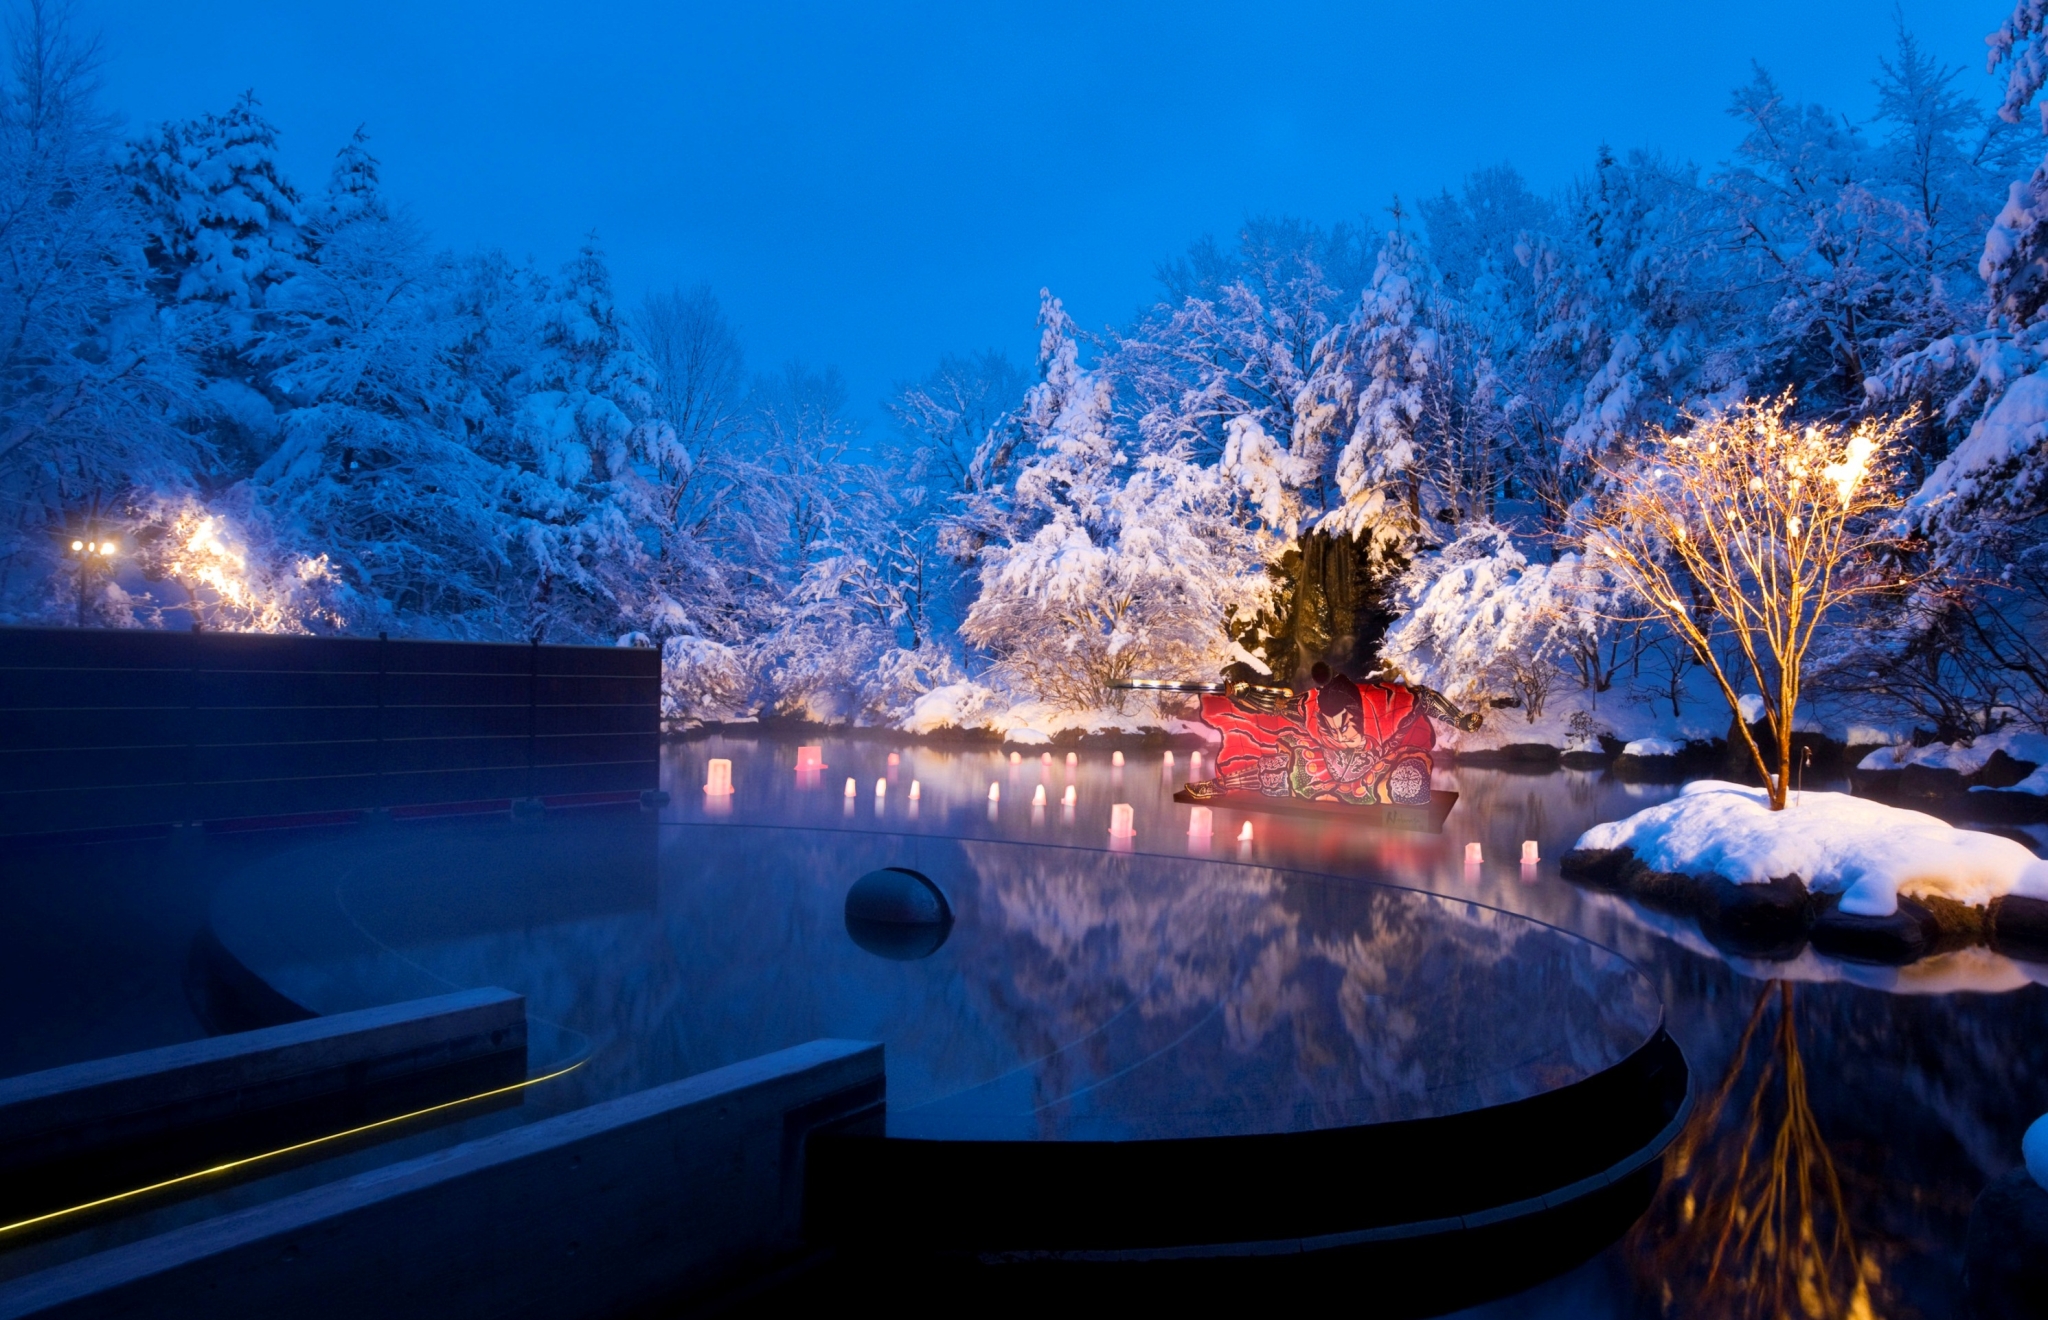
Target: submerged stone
898,913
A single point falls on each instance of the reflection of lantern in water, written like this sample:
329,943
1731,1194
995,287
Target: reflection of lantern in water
1200,820
1751,1219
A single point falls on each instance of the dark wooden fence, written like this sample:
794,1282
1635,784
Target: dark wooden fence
102,729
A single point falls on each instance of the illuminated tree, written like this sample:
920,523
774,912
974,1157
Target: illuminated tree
1755,530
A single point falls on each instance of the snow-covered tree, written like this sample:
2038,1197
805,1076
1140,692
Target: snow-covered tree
373,468
97,393
586,424
1111,569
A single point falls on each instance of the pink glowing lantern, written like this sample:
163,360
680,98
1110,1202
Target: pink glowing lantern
810,758
718,777
1120,818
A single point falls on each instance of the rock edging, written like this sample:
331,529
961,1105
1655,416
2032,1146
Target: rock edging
1776,919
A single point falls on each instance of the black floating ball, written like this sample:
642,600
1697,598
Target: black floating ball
898,913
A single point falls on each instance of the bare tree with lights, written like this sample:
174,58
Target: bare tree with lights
1758,529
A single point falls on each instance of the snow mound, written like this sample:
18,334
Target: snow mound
1865,851
1653,747
2016,743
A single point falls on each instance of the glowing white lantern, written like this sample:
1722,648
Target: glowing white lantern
1068,800
1529,857
718,777
1474,854
1116,758
916,790
1245,835
881,788
995,792
850,789
1120,817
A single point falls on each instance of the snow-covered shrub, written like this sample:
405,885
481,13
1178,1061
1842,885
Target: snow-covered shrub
1481,621
701,681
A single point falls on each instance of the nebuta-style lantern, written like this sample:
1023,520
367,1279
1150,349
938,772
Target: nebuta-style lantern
1340,745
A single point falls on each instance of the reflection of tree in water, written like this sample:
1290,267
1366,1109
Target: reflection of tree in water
1751,1219
1329,1002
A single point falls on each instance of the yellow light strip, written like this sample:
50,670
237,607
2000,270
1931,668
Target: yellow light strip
283,1150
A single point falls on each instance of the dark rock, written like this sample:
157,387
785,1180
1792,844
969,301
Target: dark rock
1907,935
1920,782
2001,771
2019,928
1667,891
1650,769
2005,1251
1767,920
1584,760
898,913
1596,868
1537,758
1877,785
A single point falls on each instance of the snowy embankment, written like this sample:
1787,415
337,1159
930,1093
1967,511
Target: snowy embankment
972,707
1864,851
1966,761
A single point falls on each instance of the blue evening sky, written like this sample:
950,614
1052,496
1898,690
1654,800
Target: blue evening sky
871,185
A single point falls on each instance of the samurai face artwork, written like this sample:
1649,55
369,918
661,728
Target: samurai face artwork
1338,742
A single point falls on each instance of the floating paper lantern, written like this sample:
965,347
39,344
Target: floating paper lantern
881,788
1116,758
1245,835
1120,817
1073,759
1014,758
1169,760
1474,854
1068,800
916,790
894,759
995,792
1038,796
1529,857
850,789
810,758
718,777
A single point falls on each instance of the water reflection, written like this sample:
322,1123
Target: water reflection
1751,1221
1076,994
1921,1078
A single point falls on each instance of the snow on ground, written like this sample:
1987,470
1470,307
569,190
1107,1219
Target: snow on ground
973,706
1865,851
2016,743
1653,747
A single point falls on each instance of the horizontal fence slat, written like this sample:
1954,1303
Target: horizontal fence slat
106,728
